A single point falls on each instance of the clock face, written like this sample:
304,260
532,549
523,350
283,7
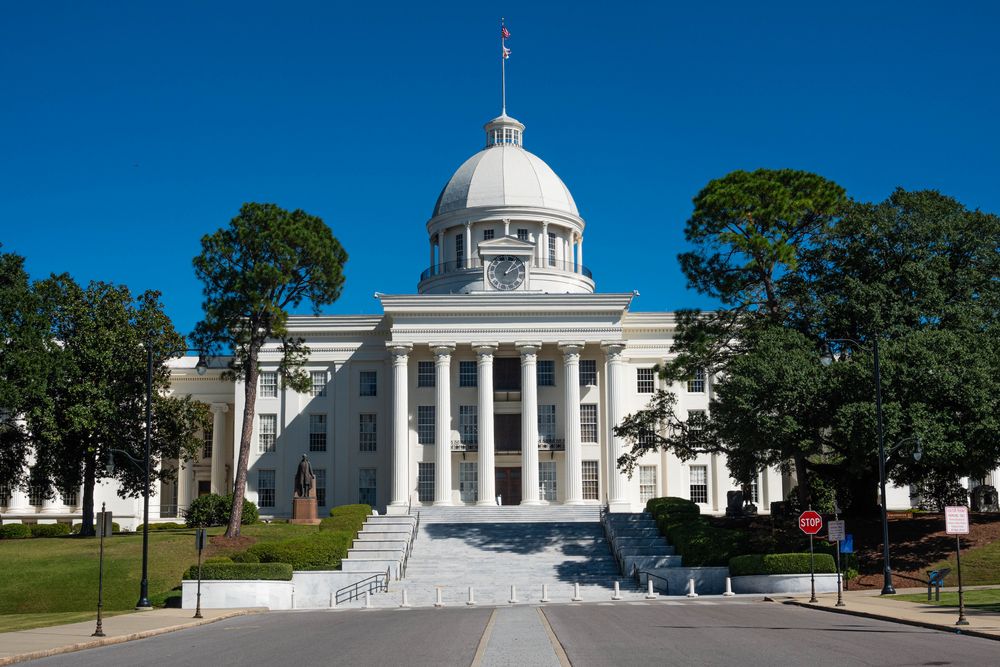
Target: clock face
506,272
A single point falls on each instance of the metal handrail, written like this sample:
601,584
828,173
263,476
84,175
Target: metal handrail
637,575
377,583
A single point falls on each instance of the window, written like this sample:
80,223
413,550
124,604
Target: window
317,433
468,424
545,371
647,483
552,249
4,495
318,383
546,423
547,480
266,431
320,486
696,385
206,442
522,235
696,420
265,488
487,234
36,494
589,469
366,432
69,496
588,372
754,491
369,383
366,486
468,481
425,374
268,384
644,380
425,424
699,484
425,482
459,249
647,438
468,376
588,422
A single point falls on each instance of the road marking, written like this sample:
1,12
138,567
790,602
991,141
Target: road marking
484,640
556,645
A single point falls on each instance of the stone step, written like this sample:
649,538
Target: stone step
506,514
368,536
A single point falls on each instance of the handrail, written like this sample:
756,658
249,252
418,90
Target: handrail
377,583
637,575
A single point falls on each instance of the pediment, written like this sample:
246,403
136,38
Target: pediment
505,245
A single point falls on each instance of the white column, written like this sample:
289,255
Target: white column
617,483
442,422
468,245
529,423
487,462
506,226
184,473
440,260
579,254
19,501
219,411
574,453
400,428
53,505
545,244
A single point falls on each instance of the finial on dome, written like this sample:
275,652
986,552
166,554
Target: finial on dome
504,131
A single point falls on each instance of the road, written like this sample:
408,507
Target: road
674,633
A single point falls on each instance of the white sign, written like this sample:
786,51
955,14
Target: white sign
836,531
956,520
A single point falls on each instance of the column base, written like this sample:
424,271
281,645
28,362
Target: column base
575,502
619,506
531,502
443,503
487,503
396,510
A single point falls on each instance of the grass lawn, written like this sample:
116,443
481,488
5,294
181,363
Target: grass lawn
58,575
13,622
980,566
983,600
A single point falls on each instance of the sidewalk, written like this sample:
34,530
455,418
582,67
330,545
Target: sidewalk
871,604
41,642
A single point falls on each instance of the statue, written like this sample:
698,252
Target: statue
984,499
304,479
734,503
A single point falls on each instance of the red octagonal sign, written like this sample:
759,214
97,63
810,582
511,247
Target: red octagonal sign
810,522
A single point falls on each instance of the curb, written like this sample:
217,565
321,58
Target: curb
121,639
892,619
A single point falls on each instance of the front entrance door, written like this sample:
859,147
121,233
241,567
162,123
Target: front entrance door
507,433
508,482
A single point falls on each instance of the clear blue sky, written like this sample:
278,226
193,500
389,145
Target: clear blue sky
129,130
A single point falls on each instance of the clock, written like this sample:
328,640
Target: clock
506,272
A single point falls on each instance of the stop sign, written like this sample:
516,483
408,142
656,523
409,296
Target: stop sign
810,522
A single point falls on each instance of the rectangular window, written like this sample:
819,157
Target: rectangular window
206,442
369,383
696,385
36,495
425,482
267,431
468,375
425,424
320,486
522,235
487,234
425,374
460,249
468,424
69,497
366,486
647,438
317,433
5,495
318,383
268,384
754,491
588,422
265,488
547,480
647,483
546,423
696,420
644,380
552,249
367,436
589,469
588,372
545,372
699,484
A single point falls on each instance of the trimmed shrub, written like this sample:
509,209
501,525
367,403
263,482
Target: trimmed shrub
780,564
164,525
15,531
694,538
232,571
360,510
77,527
218,559
245,557
214,510
49,530
322,551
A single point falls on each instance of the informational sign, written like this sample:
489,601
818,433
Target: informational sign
956,520
810,522
835,531
847,544
105,525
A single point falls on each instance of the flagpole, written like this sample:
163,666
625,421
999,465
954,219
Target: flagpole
503,73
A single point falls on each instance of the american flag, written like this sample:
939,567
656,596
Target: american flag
506,53
504,33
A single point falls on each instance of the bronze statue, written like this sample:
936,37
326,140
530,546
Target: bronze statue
304,479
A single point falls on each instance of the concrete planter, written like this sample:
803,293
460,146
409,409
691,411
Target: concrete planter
783,583
312,589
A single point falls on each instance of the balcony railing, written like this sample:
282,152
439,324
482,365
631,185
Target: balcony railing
476,263
548,445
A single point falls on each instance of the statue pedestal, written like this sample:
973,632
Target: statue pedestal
304,511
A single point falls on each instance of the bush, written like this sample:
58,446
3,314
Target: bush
360,510
214,510
15,531
49,530
232,571
346,518
164,525
780,564
77,527
322,551
218,559
694,538
245,557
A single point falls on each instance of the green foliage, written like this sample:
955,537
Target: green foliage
346,518
163,525
15,531
218,559
322,551
236,571
77,528
694,538
245,557
213,510
822,497
49,530
797,563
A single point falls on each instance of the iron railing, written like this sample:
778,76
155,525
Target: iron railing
548,445
637,575
377,583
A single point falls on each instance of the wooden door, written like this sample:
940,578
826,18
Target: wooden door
508,485
507,433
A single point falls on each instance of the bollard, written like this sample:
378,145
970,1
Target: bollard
617,595
333,600
513,594
650,593
729,588
545,593
576,593
368,600
405,604
472,597
438,601
691,593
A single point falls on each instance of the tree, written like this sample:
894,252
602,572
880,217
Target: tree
265,263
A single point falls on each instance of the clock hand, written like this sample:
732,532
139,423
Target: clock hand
512,265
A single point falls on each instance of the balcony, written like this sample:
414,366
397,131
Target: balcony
476,263
548,445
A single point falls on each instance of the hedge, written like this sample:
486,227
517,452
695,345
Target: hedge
779,564
115,528
694,538
346,518
245,557
49,530
165,525
322,551
15,531
231,571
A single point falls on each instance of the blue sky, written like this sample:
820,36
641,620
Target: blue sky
132,129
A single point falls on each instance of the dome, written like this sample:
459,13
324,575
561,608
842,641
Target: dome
504,174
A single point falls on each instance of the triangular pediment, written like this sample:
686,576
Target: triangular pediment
505,245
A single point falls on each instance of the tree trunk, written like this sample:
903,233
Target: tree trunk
89,482
802,480
246,435
864,494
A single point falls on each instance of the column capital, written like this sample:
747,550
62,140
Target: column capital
442,349
571,347
614,349
468,225
483,349
219,408
528,347
398,349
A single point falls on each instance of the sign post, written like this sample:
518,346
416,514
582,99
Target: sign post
836,532
956,522
104,525
811,523
199,544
